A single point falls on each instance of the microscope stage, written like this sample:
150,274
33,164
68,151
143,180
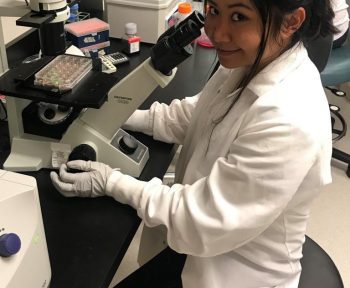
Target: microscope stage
90,92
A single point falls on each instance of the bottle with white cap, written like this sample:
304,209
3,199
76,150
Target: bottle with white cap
131,42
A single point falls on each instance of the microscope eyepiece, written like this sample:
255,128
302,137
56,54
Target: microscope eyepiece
196,17
173,46
185,34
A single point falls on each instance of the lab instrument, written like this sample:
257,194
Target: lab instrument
117,58
48,16
24,259
108,66
87,33
37,144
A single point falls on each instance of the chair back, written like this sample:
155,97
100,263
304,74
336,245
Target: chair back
319,51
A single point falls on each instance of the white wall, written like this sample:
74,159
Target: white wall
11,30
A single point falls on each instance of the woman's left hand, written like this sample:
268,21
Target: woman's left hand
90,182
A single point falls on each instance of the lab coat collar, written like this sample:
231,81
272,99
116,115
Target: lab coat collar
278,70
236,76
234,93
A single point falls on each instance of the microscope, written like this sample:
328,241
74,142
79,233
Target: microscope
47,129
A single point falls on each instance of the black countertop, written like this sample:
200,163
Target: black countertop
87,238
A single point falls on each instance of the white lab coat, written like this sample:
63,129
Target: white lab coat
341,18
242,200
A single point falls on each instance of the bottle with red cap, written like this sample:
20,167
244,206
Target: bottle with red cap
130,41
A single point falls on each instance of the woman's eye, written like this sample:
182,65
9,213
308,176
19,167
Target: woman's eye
238,17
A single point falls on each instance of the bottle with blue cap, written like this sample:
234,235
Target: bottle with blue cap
74,11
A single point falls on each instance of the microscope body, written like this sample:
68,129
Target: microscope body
100,128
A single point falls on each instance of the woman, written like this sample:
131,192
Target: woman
254,154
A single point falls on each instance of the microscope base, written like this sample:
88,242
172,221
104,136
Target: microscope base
33,155
108,151
28,155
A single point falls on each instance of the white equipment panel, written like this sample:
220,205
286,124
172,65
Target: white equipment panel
24,260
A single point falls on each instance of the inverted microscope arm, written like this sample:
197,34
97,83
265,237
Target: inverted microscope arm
172,48
124,98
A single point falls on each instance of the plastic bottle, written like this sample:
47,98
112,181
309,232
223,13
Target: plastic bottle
130,41
197,5
74,11
184,10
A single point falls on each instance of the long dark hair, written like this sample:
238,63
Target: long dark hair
318,22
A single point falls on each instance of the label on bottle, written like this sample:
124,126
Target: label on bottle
134,44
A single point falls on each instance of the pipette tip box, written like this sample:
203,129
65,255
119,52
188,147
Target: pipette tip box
87,32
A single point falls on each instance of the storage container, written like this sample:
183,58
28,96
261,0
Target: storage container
151,17
96,50
87,32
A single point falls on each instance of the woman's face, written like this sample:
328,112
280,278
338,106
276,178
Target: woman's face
235,27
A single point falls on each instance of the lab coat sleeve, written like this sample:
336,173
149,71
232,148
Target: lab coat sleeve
243,195
167,123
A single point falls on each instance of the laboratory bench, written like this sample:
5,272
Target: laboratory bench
87,238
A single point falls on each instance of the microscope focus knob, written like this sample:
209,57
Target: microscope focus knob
128,144
49,113
9,244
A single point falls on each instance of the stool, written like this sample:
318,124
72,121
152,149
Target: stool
318,269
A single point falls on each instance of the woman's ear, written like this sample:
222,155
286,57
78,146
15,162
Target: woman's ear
292,22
